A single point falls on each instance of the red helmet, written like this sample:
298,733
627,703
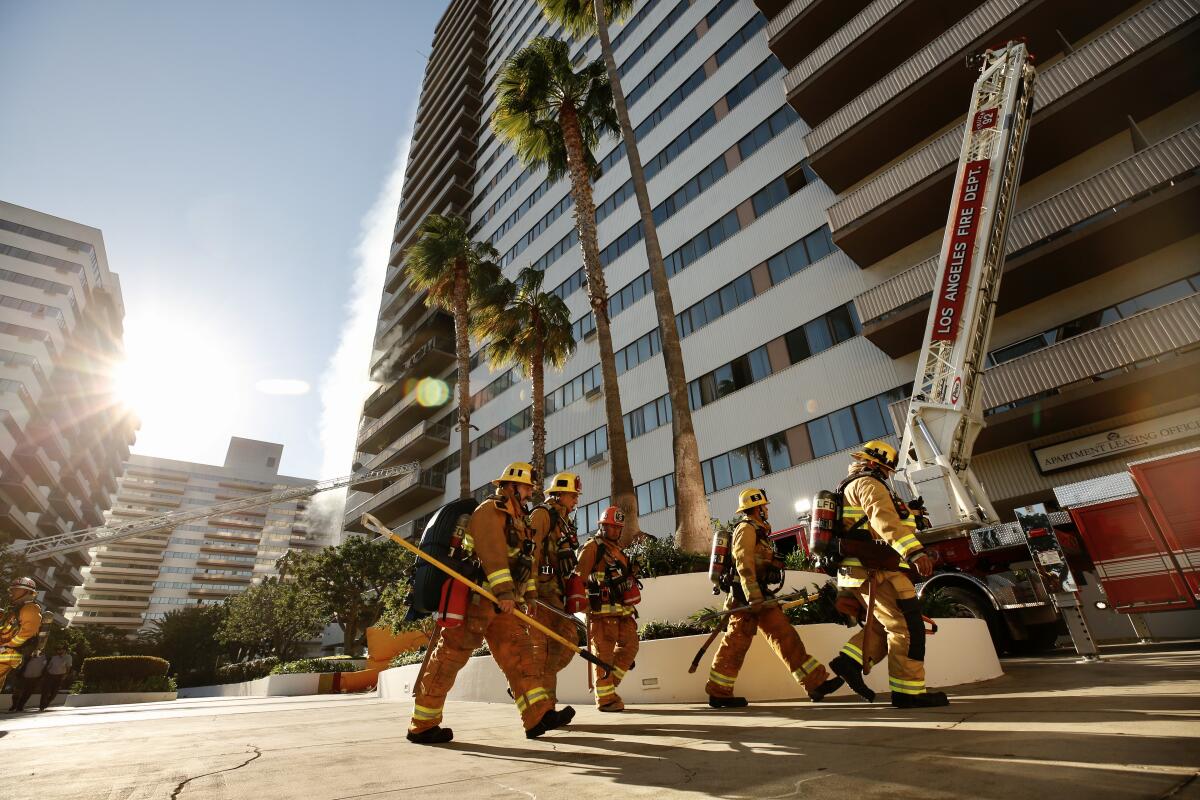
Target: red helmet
24,583
613,516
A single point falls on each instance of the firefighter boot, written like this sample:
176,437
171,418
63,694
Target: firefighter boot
562,718
923,700
850,671
727,702
825,689
434,735
548,722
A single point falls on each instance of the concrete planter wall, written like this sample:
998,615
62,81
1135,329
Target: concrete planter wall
305,683
676,597
960,653
116,698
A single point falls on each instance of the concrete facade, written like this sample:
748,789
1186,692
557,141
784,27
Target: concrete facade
63,434
133,582
801,156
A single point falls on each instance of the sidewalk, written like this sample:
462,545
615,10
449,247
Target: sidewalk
1051,728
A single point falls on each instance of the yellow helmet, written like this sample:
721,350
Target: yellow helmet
751,498
565,482
879,452
517,472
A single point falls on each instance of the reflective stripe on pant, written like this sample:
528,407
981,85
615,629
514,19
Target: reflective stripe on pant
518,651
895,631
782,637
558,656
8,661
615,641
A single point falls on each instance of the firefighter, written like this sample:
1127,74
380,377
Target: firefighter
897,628
612,589
19,626
506,550
759,577
555,530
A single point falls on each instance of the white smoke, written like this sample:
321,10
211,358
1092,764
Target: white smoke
345,383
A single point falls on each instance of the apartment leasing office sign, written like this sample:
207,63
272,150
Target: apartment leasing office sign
1172,428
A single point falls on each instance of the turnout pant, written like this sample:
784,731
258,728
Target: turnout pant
615,641
9,661
783,639
896,630
557,654
519,651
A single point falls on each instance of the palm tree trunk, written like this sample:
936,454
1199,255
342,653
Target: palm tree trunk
462,346
692,521
537,371
621,488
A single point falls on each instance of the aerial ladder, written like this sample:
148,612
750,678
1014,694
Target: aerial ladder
37,549
945,413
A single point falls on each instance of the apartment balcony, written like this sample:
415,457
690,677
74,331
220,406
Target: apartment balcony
1078,102
407,314
119,605
51,524
221,563
205,577
72,481
101,570
127,588
397,344
40,466
70,508
212,593
426,361
129,623
231,551
22,490
931,89
374,435
15,525
868,44
401,497
50,437
451,199
230,522
116,553
802,25
229,536
1133,208
1149,358
305,544
425,439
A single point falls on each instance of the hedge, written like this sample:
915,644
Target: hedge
103,674
306,665
246,670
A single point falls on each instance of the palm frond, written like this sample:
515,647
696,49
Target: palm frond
578,17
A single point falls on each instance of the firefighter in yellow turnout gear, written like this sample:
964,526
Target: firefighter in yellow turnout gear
758,569
506,550
551,521
612,623
19,626
896,629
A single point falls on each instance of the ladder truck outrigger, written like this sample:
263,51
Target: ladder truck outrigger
38,549
984,566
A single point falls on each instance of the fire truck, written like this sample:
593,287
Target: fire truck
1137,532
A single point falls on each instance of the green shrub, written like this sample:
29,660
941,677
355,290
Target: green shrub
658,557
105,674
482,650
246,670
661,629
817,611
936,604
800,561
306,665
405,659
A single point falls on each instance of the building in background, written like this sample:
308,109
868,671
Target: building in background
800,158
135,581
63,434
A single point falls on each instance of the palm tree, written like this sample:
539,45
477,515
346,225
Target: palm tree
554,117
693,525
531,328
456,271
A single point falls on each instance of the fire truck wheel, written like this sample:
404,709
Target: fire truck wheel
1040,638
966,604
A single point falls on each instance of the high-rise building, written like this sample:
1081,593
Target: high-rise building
800,157
63,434
134,581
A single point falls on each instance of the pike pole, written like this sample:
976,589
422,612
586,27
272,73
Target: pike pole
787,601
373,524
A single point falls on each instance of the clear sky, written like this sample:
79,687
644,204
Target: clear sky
240,158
